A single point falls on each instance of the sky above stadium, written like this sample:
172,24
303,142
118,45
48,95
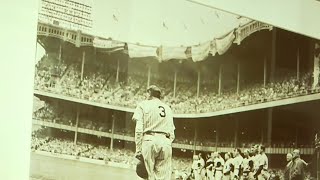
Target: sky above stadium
160,22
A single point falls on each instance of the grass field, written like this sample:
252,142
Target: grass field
51,168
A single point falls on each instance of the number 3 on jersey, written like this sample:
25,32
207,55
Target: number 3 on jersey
162,112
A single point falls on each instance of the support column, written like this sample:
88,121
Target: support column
263,125
220,79
175,84
217,135
77,124
269,126
273,54
198,84
195,137
112,132
149,74
60,51
298,65
238,79
236,132
265,72
296,138
262,135
316,65
118,68
82,65
318,165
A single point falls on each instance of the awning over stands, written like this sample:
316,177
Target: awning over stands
165,53
162,29
107,45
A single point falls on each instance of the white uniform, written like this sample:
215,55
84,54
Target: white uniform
218,170
196,169
154,134
210,172
237,161
227,174
246,169
263,161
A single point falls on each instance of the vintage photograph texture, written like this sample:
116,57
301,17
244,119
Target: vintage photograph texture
171,90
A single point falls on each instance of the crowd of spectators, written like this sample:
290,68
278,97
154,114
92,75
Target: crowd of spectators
100,85
182,167
41,142
55,114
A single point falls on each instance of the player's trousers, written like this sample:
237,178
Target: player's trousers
228,176
157,153
247,176
210,175
218,175
264,175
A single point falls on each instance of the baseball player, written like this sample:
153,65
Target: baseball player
154,134
228,167
218,165
196,167
237,161
209,166
255,157
261,171
247,165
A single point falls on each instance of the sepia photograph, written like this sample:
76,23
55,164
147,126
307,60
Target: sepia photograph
164,90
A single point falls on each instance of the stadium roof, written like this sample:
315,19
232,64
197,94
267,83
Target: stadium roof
161,22
162,29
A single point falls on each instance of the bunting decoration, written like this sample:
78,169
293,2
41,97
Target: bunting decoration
168,53
200,52
223,44
188,53
213,48
138,51
107,45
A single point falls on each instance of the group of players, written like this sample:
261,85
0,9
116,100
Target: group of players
251,164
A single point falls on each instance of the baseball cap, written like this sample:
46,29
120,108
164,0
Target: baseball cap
154,88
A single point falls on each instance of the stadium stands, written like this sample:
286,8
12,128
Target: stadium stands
181,166
58,114
100,86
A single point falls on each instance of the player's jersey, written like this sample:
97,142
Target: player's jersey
227,166
195,165
237,161
256,161
202,163
156,116
245,165
219,163
263,160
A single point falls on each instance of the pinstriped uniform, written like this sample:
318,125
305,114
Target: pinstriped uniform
263,161
155,116
237,162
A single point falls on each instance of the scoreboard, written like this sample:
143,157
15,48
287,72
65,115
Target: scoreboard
69,14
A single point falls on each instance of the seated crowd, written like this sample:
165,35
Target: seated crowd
100,86
54,113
